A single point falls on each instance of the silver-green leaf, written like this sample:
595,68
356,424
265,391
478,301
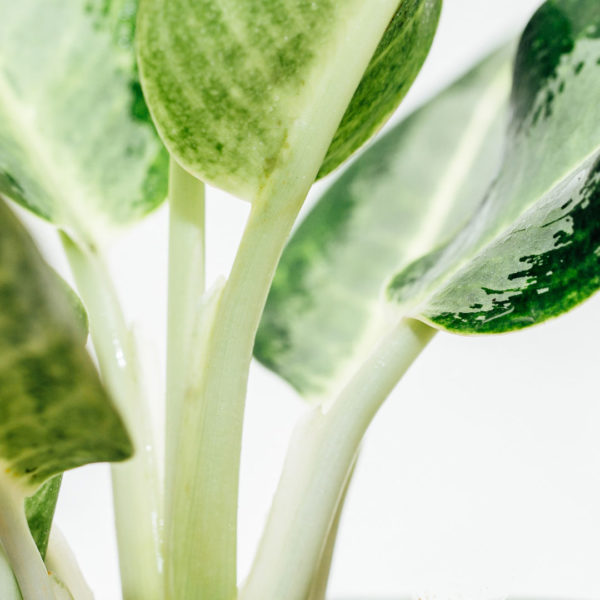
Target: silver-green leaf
77,145
532,250
54,412
410,191
241,89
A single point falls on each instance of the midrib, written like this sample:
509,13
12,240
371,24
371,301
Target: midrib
459,168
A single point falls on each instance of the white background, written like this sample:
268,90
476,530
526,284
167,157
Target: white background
480,478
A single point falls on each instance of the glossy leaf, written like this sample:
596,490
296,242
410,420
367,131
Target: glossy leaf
405,195
242,88
532,250
54,413
390,74
76,142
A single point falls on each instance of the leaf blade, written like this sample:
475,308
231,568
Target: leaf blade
55,413
39,510
529,252
390,74
325,304
241,85
76,149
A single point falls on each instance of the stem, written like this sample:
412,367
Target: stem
23,555
61,561
136,486
319,460
318,588
8,582
201,537
186,287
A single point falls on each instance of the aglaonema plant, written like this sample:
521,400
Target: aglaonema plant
475,215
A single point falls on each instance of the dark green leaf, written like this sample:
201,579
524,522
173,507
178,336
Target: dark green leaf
532,250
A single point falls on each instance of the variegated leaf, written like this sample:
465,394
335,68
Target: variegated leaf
240,89
409,192
532,250
54,413
76,142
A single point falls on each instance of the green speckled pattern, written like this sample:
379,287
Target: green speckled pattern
228,82
39,510
325,305
391,72
77,145
532,250
54,413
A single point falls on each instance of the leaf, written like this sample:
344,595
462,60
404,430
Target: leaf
54,413
242,88
390,74
77,145
532,250
39,509
410,191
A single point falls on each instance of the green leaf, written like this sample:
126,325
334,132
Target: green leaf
240,89
390,74
407,193
39,510
532,250
77,145
54,413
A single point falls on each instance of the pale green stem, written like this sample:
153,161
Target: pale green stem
201,538
23,555
186,287
8,582
322,451
318,588
61,562
136,486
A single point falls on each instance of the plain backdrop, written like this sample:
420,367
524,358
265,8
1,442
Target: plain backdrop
480,478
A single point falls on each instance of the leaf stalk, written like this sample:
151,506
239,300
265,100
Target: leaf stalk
136,483
23,555
201,536
186,288
319,461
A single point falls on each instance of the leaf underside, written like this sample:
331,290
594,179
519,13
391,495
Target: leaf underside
54,413
232,88
532,250
77,145
409,192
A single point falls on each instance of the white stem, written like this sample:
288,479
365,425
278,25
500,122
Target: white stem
319,460
202,534
318,588
136,482
23,555
8,583
186,287
61,561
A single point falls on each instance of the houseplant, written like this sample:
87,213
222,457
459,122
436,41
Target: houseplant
92,293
